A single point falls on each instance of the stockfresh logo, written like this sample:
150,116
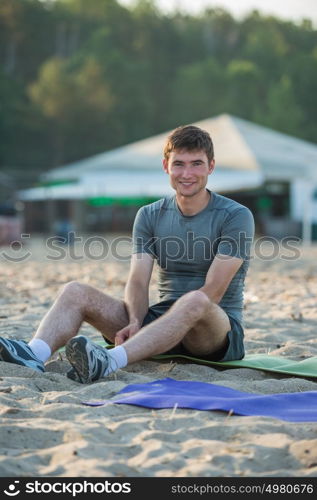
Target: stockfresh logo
13,489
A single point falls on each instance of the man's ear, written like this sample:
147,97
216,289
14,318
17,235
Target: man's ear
165,165
211,166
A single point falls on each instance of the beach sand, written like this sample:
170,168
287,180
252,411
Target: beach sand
45,429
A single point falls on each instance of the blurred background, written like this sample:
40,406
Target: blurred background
89,91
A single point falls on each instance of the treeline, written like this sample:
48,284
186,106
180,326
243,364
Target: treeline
78,77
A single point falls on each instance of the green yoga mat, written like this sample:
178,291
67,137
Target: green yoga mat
277,364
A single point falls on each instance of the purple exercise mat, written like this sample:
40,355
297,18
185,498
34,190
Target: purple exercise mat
166,393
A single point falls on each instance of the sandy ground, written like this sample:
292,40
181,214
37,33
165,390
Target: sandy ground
46,431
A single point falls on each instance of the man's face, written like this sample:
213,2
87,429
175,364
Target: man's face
188,171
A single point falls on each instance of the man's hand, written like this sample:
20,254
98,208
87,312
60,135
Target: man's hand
127,332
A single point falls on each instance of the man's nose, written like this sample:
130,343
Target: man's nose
187,172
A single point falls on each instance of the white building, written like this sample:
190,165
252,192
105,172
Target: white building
253,163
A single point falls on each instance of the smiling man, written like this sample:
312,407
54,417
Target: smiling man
201,243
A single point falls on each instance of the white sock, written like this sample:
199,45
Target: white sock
41,349
118,359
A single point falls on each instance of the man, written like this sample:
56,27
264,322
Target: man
201,242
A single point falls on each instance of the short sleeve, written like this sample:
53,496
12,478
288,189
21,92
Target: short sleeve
237,234
142,233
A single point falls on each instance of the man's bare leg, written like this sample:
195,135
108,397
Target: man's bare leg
75,304
194,320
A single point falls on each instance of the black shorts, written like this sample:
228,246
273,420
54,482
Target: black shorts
233,350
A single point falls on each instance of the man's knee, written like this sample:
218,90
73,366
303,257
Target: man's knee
74,291
197,301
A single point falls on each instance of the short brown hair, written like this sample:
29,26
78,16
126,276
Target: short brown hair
190,138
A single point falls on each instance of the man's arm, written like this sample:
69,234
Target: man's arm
219,276
136,294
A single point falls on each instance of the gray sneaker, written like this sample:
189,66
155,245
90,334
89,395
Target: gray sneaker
18,352
89,360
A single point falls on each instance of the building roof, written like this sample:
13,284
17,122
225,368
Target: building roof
246,154
230,147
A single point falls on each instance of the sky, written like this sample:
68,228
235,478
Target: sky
294,10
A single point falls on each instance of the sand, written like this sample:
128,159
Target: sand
45,429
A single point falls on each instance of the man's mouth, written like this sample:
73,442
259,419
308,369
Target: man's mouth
187,183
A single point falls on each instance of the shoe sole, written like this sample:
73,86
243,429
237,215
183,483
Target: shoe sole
9,357
77,356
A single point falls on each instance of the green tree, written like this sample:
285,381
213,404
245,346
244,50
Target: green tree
78,77
282,111
199,91
76,103
303,75
27,37
265,44
246,90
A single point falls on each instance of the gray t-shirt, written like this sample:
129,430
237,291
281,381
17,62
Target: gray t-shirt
185,246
